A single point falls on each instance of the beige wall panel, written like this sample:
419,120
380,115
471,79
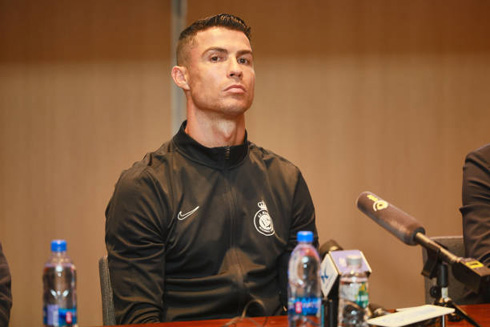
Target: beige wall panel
84,92
384,95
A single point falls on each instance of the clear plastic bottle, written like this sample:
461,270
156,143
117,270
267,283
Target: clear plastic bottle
353,295
60,293
304,289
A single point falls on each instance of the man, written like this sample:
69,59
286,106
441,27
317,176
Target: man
476,211
205,224
5,292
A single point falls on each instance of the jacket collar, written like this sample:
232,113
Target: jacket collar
219,157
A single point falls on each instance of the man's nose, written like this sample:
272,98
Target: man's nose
234,69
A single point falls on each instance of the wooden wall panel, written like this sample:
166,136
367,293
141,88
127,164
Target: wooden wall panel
84,92
362,95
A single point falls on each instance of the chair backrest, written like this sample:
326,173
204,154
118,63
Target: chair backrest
108,316
456,289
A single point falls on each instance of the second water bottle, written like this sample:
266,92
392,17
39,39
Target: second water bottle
353,295
304,292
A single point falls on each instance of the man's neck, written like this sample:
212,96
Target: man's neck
216,132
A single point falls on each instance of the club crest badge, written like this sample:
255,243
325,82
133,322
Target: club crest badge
263,221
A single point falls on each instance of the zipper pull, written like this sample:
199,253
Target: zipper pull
227,153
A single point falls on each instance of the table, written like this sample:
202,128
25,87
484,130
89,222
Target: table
479,312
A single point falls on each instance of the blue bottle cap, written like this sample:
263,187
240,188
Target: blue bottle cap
305,236
58,245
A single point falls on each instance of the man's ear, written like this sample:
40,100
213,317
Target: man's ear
179,75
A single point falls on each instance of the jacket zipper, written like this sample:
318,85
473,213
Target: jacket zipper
239,270
227,153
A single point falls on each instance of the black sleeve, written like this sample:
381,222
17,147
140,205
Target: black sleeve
135,240
476,205
5,292
476,212
303,214
303,220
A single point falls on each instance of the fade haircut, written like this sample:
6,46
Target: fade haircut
222,20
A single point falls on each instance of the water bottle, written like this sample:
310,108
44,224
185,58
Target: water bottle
60,293
304,288
353,294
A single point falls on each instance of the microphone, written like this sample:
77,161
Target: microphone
328,247
468,271
334,263
397,222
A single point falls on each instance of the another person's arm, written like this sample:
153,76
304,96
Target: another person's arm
5,291
476,205
476,212
135,240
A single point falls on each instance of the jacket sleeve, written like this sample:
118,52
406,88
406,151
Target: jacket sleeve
5,292
303,214
135,240
476,205
303,219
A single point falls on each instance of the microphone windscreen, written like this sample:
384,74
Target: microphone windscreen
397,222
327,247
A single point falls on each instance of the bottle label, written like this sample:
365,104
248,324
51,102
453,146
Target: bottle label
305,306
59,317
356,292
305,312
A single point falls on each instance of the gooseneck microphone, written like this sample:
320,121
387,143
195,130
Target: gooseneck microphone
397,222
469,271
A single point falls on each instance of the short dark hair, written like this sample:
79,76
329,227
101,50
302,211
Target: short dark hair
221,20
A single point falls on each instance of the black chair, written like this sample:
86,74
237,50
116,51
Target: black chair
108,316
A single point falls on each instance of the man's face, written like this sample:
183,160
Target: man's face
220,71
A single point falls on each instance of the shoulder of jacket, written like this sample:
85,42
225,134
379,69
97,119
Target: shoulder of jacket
147,168
271,158
482,154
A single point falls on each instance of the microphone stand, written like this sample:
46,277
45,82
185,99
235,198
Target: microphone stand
331,306
434,267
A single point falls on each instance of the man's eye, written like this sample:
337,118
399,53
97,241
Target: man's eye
215,58
243,61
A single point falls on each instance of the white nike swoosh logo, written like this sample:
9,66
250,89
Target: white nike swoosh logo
181,216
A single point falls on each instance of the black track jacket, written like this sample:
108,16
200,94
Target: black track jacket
5,291
196,233
476,213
